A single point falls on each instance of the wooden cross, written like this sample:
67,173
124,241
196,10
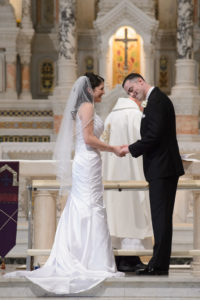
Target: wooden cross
126,40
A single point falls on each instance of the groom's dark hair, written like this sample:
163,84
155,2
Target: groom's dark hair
131,76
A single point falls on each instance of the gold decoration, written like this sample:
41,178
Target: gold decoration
14,173
24,138
89,64
23,113
106,134
163,80
26,125
47,77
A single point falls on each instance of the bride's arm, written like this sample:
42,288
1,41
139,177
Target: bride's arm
86,114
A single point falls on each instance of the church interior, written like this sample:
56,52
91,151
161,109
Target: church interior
45,45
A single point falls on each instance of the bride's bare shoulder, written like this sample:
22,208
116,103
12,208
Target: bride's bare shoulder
86,109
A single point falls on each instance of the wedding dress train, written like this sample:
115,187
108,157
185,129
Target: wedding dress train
82,254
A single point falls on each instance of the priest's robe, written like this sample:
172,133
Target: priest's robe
128,212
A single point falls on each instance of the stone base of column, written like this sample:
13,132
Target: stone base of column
196,268
185,97
9,95
25,96
196,231
66,78
67,70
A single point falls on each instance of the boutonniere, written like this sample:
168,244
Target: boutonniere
144,103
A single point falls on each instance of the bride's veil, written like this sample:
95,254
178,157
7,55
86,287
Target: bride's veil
81,92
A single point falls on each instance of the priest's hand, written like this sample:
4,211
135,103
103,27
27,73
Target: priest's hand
124,150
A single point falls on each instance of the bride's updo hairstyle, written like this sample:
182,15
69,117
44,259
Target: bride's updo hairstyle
95,79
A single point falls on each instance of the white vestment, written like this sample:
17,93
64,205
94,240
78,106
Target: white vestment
128,211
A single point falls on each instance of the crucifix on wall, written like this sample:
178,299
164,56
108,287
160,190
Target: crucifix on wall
126,40
126,53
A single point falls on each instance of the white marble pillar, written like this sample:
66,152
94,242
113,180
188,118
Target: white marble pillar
44,226
24,48
8,35
67,51
185,93
11,92
67,67
196,232
149,63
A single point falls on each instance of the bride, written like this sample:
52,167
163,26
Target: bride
81,256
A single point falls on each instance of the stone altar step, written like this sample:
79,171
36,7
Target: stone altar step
26,122
182,239
178,285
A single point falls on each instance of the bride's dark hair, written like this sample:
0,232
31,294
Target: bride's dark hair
95,79
83,90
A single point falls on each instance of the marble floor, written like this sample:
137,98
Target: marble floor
179,285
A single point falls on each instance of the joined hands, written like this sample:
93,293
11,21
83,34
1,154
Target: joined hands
121,150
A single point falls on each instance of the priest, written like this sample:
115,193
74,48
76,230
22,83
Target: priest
128,212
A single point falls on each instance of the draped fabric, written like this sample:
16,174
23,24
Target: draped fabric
9,174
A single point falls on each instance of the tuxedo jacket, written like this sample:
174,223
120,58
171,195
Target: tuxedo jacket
158,143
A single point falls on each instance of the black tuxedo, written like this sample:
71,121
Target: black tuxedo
162,166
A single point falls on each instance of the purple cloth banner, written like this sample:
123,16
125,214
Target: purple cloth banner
9,187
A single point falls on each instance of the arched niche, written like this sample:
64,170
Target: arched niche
126,55
126,14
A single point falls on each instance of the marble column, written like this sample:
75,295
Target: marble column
9,32
149,63
67,39
185,93
196,231
44,225
67,67
24,48
11,76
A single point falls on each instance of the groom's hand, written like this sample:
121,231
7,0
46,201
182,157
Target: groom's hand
124,150
118,151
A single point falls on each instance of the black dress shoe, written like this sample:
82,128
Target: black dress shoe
131,268
140,266
128,263
152,272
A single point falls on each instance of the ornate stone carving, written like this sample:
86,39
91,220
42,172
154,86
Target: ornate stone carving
25,34
67,60
146,5
67,29
126,14
26,14
185,29
24,46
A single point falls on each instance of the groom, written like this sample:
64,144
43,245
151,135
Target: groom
161,163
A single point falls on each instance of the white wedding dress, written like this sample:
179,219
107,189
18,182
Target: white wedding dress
82,254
